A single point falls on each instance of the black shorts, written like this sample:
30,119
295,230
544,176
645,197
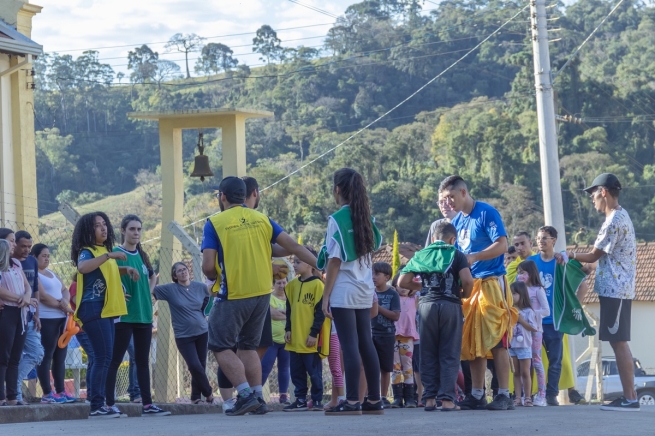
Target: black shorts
267,334
237,323
384,347
615,319
416,358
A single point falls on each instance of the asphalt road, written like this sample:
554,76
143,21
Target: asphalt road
563,420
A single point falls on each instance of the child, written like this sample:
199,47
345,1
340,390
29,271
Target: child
445,280
511,255
351,238
304,321
404,349
528,273
383,326
521,344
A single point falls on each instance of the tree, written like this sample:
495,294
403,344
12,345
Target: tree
143,63
215,57
120,76
185,43
54,147
267,44
166,70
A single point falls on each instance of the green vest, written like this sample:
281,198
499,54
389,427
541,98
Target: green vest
568,314
435,258
139,305
345,238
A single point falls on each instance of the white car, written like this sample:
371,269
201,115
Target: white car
612,389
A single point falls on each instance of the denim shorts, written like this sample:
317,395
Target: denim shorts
521,353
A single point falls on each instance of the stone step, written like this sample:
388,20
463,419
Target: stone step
43,412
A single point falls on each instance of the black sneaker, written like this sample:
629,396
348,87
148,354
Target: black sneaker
261,410
104,412
372,409
575,397
296,406
551,400
472,403
153,410
317,406
621,405
244,405
345,408
501,402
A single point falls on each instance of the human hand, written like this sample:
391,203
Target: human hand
280,271
34,303
561,258
132,272
311,342
37,323
287,337
128,297
118,255
472,258
326,309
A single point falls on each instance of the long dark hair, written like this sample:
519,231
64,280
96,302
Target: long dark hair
521,289
144,256
84,234
530,267
37,249
353,192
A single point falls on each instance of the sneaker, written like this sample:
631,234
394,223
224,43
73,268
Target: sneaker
621,405
317,406
539,401
345,408
501,402
472,403
52,399
296,406
67,397
575,397
228,404
386,403
551,400
261,410
153,410
117,411
244,405
104,412
372,409
284,399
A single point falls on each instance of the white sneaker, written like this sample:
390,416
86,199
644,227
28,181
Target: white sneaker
539,401
229,404
117,410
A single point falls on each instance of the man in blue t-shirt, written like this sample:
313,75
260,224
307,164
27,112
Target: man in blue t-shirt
482,238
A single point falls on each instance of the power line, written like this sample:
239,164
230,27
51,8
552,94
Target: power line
315,9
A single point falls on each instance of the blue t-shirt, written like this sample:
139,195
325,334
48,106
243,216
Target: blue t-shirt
547,276
95,285
476,232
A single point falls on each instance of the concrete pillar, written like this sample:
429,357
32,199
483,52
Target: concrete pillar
234,146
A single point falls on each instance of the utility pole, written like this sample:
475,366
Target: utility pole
548,153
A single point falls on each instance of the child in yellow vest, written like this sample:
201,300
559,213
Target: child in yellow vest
305,320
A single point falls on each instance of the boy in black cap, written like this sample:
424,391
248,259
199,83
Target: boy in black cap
615,250
237,254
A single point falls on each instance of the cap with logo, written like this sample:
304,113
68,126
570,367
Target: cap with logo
605,180
234,189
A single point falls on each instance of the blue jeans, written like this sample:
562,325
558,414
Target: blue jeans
303,365
552,341
84,341
133,389
32,356
277,351
100,332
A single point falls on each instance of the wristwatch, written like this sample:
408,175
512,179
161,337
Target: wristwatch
107,256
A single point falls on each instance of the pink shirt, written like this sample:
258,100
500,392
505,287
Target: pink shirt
539,304
406,324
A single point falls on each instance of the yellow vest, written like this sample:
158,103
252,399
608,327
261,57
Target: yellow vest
114,296
303,298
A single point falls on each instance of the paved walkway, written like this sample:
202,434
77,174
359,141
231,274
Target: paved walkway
578,420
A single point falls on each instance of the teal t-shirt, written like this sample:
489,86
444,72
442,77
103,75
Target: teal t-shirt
139,306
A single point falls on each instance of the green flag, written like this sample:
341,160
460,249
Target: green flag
568,315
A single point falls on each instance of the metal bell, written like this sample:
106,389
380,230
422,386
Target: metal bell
201,167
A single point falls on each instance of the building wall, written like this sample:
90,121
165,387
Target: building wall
642,343
7,203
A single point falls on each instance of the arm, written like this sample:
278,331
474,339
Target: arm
590,257
493,251
209,263
529,324
543,301
319,318
287,325
8,296
152,281
467,281
374,309
407,281
332,269
278,315
49,300
292,247
129,271
393,315
279,251
86,266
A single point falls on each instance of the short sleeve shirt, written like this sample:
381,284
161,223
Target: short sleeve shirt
446,285
95,285
476,232
547,277
616,273
186,307
381,325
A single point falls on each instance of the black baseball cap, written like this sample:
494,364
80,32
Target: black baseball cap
234,189
605,180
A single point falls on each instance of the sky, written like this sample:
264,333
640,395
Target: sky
70,26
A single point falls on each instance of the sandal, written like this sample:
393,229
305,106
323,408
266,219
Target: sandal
527,402
517,402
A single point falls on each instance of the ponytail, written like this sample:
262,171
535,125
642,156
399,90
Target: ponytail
353,191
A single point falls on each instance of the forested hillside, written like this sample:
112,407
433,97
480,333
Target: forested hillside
478,120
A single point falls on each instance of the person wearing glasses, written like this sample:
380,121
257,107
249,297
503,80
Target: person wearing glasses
448,214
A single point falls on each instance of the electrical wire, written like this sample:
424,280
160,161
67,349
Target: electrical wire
315,9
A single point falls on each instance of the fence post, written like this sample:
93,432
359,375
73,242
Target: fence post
71,215
191,246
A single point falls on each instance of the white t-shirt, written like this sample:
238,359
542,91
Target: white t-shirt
616,274
52,287
353,288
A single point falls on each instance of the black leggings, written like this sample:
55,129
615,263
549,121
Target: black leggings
142,334
12,340
51,330
354,331
194,352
